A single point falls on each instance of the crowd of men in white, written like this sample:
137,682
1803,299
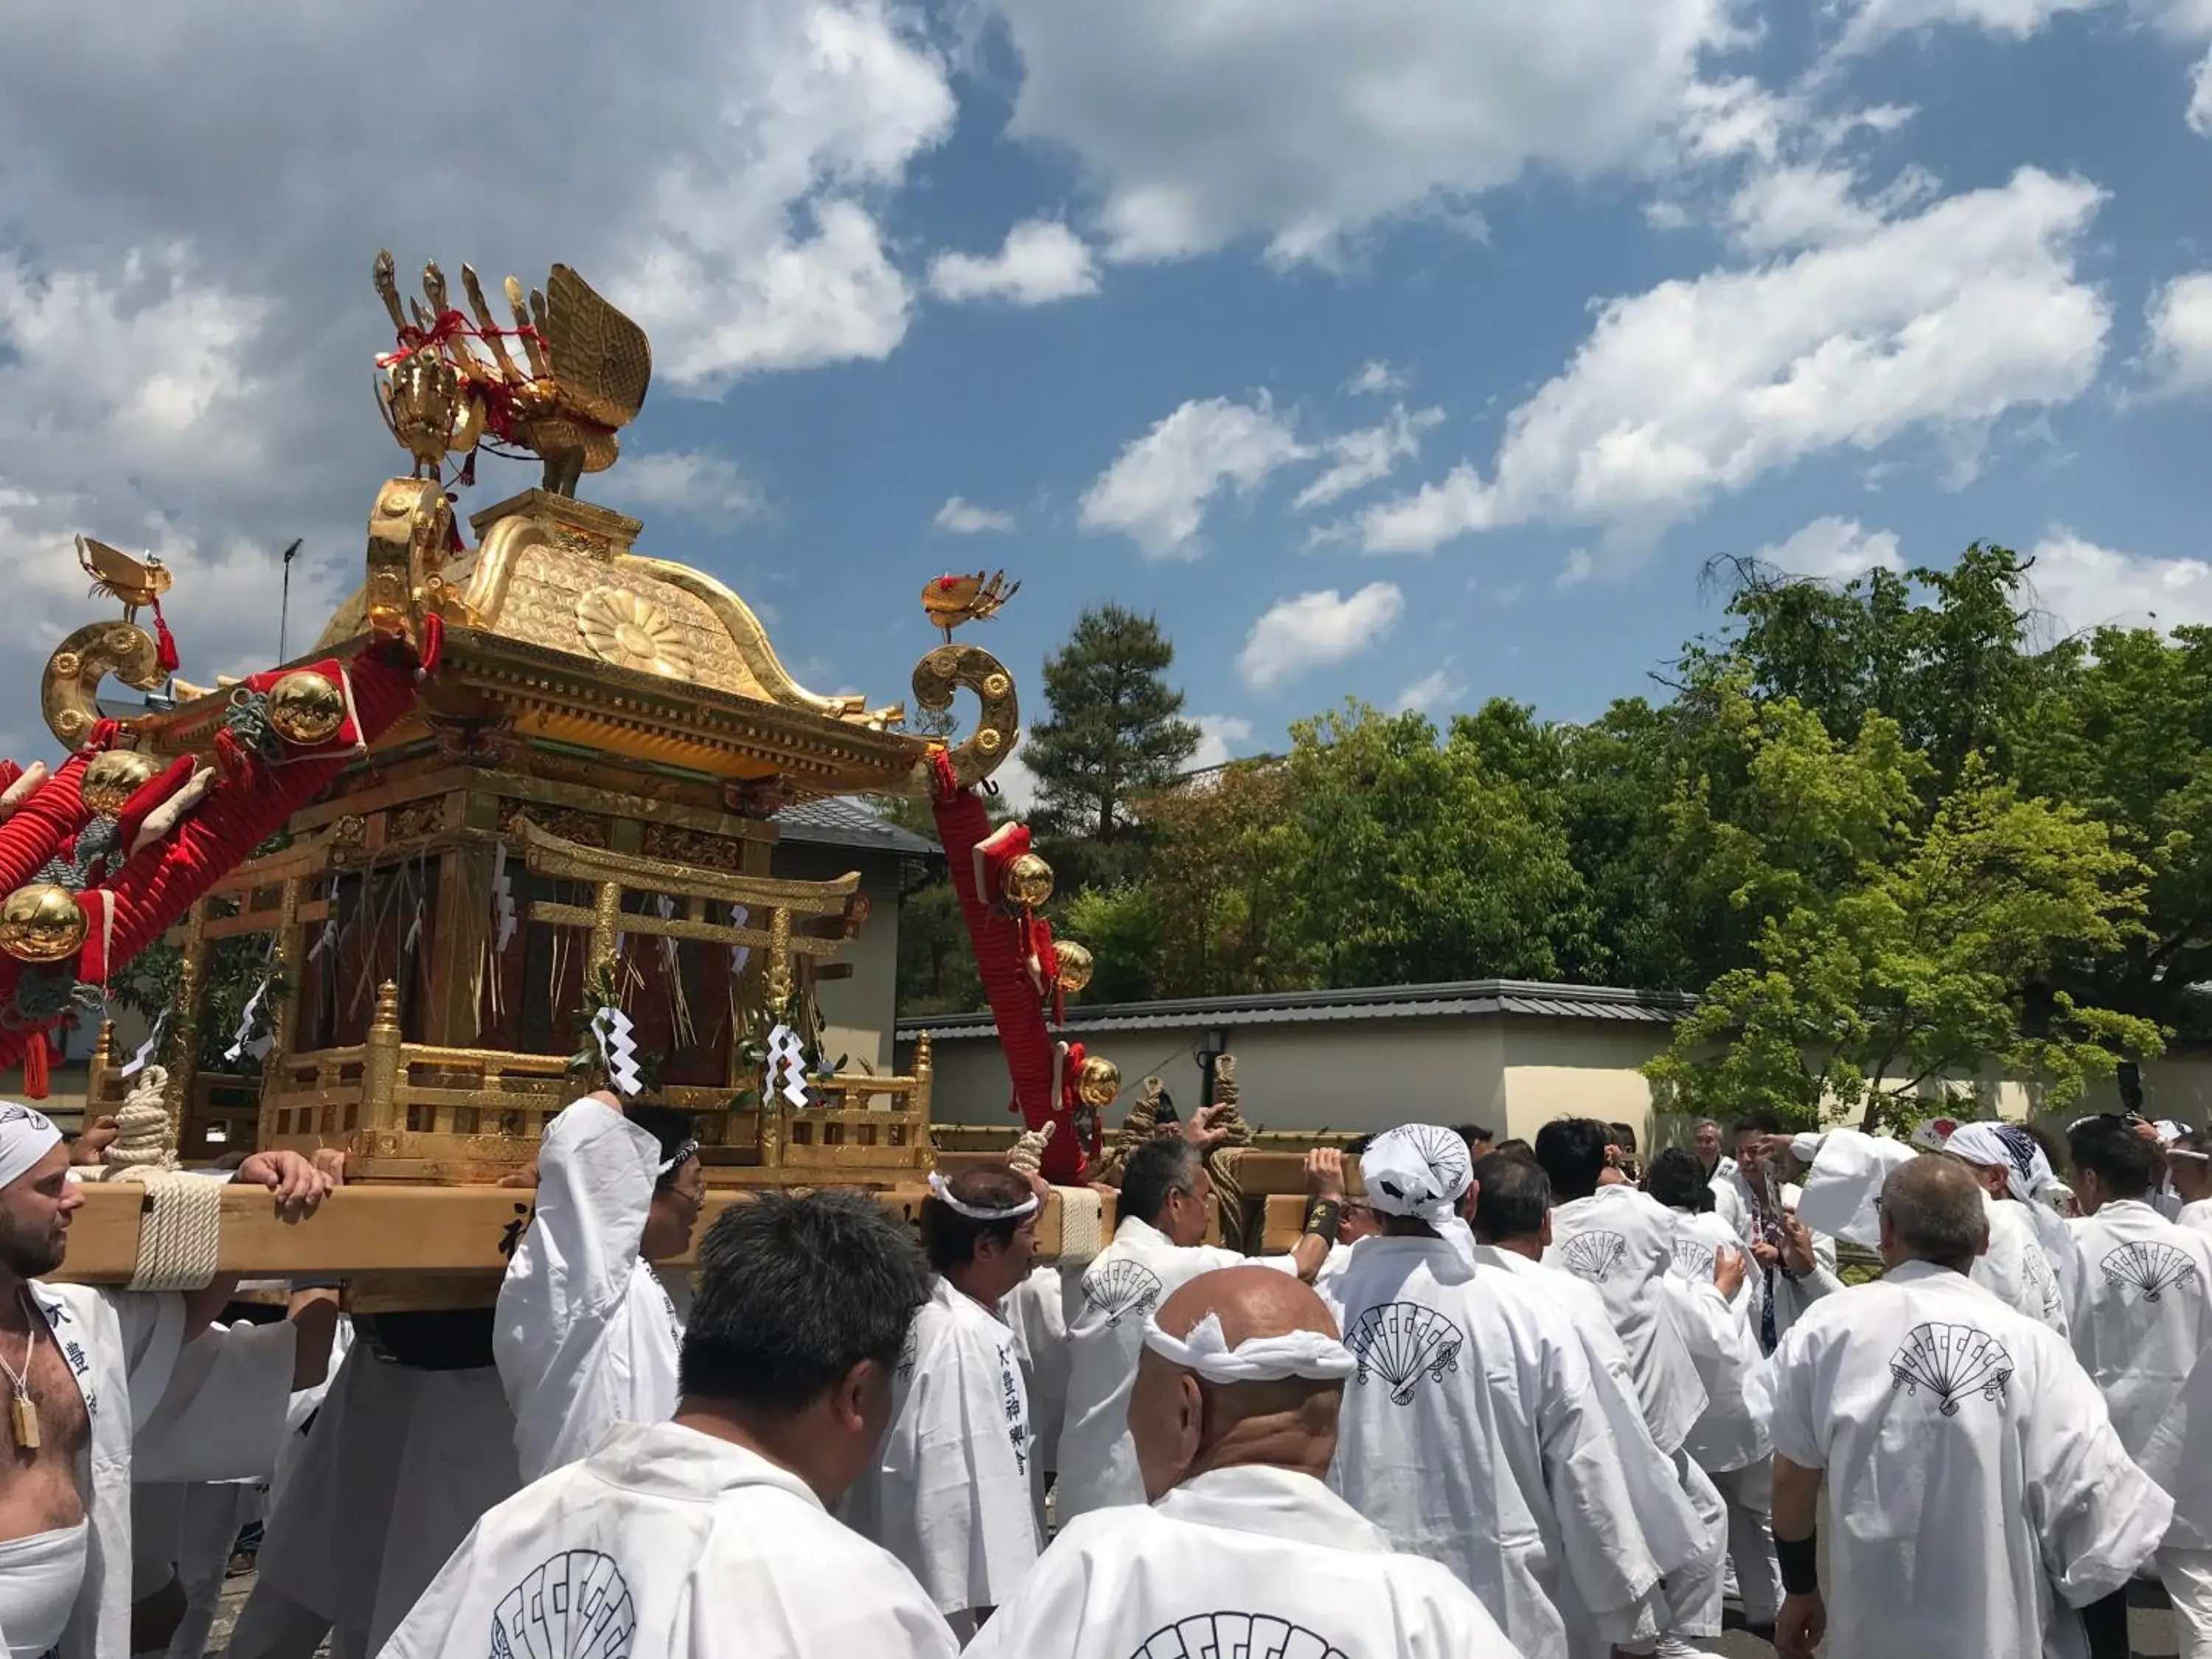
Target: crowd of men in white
1507,1402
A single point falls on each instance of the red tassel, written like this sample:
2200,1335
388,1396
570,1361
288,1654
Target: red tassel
165,642
230,754
434,642
35,1059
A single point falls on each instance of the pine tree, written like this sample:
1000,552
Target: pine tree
1116,730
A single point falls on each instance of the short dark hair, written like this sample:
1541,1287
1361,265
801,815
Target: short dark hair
1517,1147
2121,1158
1168,1164
949,1238
1622,1135
672,1129
1470,1132
1512,1196
1677,1180
793,1292
1572,1152
1755,1123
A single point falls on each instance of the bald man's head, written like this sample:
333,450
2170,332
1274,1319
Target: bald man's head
1183,1424
1932,1210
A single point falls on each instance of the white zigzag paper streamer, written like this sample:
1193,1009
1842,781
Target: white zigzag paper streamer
325,941
739,954
503,897
414,932
786,1064
619,1047
666,906
239,1043
136,1063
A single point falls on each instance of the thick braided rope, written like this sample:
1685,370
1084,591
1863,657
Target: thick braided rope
142,1126
179,1230
1081,1213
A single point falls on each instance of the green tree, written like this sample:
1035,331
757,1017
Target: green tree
1892,955
1115,731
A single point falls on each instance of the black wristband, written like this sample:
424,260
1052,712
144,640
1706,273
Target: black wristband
1800,1564
1323,1217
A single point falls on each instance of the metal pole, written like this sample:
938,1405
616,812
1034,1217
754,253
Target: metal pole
284,609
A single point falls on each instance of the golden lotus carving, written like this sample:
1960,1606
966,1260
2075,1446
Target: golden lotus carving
631,631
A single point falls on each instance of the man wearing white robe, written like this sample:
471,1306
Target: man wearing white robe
1166,1204
1717,1170
585,1336
1977,1490
1473,1432
2141,1318
2189,1171
711,1533
1683,1529
949,1494
1243,1550
118,1386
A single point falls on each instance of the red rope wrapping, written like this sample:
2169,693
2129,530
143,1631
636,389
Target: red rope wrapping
962,826
35,832
152,890
502,396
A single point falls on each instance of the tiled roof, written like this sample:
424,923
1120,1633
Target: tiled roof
849,821
1461,999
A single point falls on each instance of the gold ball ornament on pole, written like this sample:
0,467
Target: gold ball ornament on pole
1027,882
305,707
1075,965
111,778
1098,1082
41,923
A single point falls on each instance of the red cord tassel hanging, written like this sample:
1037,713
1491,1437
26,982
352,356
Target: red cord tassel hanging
36,1077
165,642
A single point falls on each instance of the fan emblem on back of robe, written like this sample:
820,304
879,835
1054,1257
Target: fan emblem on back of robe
1595,1253
1121,1288
2145,1267
1951,1362
575,1606
1694,1259
1401,1342
1253,1633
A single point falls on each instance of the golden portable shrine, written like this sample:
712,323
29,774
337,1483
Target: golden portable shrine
517,798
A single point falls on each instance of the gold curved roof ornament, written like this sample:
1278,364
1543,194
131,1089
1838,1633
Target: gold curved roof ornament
948,669
746,634
69,692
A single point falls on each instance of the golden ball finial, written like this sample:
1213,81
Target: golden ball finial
41,923
1098,1082
306,708
1027,881
112,777
1075,965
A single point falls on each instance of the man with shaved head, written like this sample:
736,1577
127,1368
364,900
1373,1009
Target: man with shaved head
1978,1493
1244,1549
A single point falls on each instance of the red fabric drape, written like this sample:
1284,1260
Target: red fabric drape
961,824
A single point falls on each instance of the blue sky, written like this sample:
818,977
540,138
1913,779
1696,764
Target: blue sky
1422,351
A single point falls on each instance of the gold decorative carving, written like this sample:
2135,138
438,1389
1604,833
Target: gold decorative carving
585,828
948,668
664,840
69,694
631,631
413,821
409,534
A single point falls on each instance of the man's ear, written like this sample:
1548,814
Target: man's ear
848,1400
1190,1419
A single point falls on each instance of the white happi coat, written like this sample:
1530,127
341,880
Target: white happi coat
2015,1268
949,1493
1248,1560
1622,1240
585,1336
1035,1311
2198,1215
160,1409
2143,1312
1972,1471
1473,1435
666,1541
1129,1279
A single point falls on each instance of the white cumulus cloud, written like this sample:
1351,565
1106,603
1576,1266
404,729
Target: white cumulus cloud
1944,321
1042,260
1216,736
1834,550
1359,459
2086,586
964,517
1430,691
707,489
1304,122
1158,490
2180,330
1375,378
1316,630
1872,21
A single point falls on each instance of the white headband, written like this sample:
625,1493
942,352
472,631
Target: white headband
941,1190
2004,1146
1311,1354
677,1160
1422,1171
27,1135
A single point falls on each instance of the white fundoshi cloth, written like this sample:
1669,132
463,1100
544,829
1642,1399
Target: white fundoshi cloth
1313,1355
40,1578
27,1135
1421,1171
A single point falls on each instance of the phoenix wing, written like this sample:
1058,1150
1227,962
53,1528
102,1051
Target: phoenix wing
601,359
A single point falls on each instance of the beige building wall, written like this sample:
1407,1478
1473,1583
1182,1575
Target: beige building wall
857,1012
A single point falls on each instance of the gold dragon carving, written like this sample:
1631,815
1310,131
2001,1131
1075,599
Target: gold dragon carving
948,669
